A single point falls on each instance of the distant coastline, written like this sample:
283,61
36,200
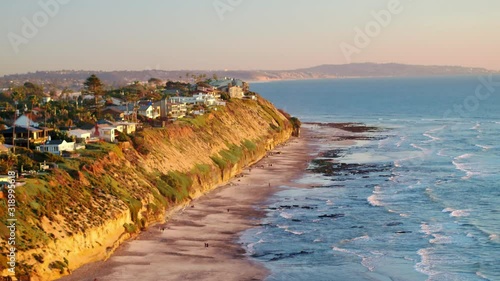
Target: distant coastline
354,77
72,79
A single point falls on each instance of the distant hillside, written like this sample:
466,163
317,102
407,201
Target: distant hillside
74,78
390,69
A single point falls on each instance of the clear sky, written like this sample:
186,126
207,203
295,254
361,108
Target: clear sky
242,34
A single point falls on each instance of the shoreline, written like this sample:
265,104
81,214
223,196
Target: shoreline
200,242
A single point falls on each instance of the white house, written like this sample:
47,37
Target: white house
207,99
26,120
186,100
125,127
199,98
107,133
149,111
176,110
236,92
146,110
81,135
57,146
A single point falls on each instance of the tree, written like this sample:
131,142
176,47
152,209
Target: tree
65,93
94,86
131,98
155,81
18,94
24,163
46,112
34,100
225,96
33,89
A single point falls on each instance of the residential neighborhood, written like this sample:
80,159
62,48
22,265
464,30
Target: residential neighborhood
61,124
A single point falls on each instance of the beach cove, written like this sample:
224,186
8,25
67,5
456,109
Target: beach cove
199,242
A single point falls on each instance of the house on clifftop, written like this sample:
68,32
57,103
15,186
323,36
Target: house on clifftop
57,146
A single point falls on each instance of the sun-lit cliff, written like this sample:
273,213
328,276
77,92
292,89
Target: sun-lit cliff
83,210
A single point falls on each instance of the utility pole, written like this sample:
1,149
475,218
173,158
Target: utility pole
14,129
45,121
28,116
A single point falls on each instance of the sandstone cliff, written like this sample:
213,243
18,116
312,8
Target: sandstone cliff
83,210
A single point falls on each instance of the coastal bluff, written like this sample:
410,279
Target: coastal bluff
83,210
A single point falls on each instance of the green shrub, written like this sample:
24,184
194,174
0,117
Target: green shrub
139,144
221,163
58,265
225,96
249,145
24,162
130,228
197,121
45,156
165,189
152,208
233,154
38,257
201,169
135,206
180,182
122,137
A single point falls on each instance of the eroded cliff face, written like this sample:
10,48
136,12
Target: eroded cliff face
81,212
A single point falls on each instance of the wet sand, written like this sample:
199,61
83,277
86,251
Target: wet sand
201,241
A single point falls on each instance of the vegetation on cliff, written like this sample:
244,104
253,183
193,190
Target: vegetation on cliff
135,182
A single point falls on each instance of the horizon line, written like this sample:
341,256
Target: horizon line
250,70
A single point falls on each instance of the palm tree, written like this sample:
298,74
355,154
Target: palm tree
128,98
66,93
46,113
69,123
18,94
135,98
34,100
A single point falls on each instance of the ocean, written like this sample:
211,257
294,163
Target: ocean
415,197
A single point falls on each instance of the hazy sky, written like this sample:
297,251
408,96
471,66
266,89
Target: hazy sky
242,34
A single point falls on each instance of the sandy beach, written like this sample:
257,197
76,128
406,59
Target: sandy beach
201,241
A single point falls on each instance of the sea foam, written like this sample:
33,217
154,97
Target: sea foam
464,167
374,201
484,147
